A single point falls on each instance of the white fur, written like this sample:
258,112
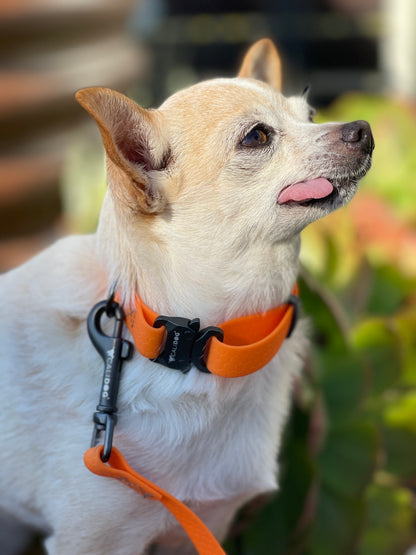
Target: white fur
216,246
202,438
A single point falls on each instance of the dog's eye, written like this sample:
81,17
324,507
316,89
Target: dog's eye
256,137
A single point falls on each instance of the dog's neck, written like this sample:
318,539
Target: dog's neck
162,271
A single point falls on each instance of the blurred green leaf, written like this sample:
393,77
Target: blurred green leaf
326,314
389,522
400,452
343,385
406,328
378,346
387,292
349,457
337,526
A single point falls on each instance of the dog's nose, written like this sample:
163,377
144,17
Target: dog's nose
357,134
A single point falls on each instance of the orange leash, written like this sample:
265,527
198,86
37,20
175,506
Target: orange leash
203,540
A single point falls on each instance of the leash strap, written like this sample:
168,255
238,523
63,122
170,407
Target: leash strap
117,468
248,343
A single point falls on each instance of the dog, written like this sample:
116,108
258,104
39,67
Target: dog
207,196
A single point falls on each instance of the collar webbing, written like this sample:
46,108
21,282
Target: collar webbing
249,342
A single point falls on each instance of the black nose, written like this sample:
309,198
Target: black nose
357,134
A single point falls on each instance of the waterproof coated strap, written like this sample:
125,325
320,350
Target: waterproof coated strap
117,468
249,343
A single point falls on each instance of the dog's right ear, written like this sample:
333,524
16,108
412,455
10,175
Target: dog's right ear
134,145
262,62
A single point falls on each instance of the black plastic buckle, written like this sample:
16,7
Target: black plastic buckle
296,303
185,344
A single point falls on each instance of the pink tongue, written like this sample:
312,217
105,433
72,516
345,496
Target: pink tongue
307,190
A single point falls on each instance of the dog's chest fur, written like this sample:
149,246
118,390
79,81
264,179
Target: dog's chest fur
200,437
211,439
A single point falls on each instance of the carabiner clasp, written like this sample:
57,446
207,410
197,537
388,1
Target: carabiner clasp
113,349
104,422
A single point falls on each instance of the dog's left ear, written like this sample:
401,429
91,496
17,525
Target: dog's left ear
262,62
134,144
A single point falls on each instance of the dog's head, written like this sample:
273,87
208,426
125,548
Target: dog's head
227,161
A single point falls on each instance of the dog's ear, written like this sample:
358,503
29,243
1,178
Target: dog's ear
134,145
262,62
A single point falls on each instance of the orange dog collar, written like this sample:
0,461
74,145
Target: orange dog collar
235,348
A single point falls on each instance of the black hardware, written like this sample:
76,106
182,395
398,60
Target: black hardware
200,345
113,350
185,343
296,303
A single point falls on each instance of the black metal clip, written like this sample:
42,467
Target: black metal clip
185,343
113,350
296,304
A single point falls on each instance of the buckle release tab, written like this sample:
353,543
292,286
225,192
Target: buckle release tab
185,344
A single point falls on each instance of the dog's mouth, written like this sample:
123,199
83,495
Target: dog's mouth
319,192
306,191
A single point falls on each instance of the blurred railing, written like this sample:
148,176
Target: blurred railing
49,49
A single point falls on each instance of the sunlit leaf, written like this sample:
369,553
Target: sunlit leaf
402,412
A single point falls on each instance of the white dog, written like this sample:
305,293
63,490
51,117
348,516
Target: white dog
207,196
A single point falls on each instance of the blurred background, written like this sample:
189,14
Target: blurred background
348,474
